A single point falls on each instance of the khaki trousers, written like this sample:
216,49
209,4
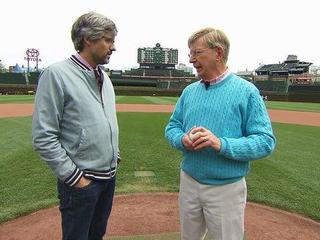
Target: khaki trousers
214,209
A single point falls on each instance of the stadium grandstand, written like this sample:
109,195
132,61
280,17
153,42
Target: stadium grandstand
159,74
292,78
290,66
291,71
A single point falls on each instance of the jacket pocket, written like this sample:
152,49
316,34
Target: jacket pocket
82,145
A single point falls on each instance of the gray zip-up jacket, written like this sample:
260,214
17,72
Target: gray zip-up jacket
74,127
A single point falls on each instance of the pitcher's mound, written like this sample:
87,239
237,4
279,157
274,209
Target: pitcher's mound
153,213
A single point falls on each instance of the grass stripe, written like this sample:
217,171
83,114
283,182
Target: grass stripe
294,106
291,106
158,100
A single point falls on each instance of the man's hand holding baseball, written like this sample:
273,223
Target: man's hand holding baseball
202,137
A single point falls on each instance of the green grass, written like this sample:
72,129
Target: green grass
16,99
144,148
146,100
291,106
26,185
119,99
289,179
294,106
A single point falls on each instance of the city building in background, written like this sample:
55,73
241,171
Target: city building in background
185,68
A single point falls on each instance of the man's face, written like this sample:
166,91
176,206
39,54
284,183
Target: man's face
102,49
203,59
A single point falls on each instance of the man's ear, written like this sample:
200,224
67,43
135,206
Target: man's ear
220,53
87,42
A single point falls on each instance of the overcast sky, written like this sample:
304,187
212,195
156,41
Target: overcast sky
260,31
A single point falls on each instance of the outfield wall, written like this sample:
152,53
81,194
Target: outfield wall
15,83
19,78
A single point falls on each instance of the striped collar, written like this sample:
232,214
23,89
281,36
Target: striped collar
81,62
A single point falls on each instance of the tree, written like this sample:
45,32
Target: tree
2,67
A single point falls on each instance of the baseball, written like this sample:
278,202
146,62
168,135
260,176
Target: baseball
193,135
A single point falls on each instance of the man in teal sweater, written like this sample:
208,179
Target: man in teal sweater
220,124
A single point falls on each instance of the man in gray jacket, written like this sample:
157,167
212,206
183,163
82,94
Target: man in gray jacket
75,128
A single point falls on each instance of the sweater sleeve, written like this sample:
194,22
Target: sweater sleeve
174,130
258,140
48,111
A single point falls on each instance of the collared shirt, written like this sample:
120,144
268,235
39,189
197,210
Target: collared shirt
86,64
215,80
83,61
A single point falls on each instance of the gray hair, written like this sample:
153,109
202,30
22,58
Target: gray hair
91,26
213,38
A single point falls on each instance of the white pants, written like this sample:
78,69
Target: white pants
216,209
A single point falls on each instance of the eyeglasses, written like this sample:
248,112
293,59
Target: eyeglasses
197,52
108,39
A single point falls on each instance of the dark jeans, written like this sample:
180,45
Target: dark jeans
85,211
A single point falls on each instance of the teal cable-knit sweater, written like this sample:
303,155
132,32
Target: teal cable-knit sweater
234,111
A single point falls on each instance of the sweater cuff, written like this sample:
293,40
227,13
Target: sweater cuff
74,178
180,143
223,146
